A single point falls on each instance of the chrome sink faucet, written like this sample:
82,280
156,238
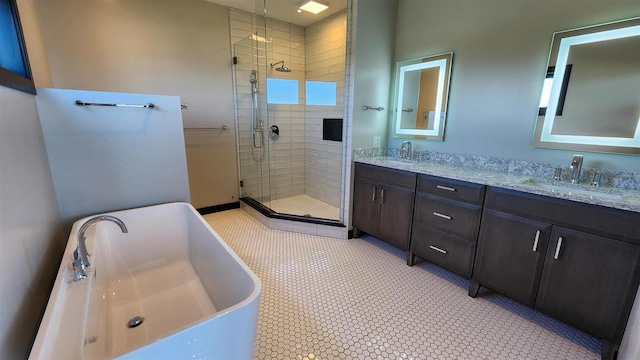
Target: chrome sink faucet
80,254
405,150
576,166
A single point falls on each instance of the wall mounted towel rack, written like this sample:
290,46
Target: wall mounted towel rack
82,103
221,128
367,107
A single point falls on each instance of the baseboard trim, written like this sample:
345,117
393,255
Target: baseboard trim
218,208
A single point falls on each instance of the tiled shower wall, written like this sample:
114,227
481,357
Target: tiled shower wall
287,153
326,45
299,161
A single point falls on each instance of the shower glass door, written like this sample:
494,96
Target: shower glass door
289,83
251,115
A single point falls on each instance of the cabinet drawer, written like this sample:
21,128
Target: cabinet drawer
448,251
454,217
400,178
451,189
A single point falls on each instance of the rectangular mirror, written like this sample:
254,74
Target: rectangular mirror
420,97
591,96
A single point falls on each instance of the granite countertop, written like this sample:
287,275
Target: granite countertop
610,197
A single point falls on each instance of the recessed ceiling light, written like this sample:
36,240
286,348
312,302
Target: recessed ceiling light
313,6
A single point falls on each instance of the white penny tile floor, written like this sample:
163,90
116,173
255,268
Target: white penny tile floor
325,298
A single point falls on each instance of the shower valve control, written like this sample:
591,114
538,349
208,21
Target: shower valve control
275,132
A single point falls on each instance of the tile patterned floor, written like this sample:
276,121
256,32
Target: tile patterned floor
305,204
325,298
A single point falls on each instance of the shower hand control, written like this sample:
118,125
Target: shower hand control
275,132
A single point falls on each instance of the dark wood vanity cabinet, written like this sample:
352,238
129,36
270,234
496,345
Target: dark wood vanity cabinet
383,203
515,243
587,279
577,262
445,223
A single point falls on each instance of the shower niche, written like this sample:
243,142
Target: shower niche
288,79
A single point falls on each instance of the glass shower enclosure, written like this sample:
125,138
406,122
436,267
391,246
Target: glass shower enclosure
289,83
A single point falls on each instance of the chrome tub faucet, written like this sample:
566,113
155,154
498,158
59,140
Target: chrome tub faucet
80,254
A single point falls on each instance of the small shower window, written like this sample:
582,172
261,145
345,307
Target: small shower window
282,91
321,93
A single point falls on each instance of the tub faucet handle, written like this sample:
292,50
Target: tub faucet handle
557,174
78,270
597,179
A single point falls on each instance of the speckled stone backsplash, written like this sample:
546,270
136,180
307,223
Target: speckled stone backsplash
613,178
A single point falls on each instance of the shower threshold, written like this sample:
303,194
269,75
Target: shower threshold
268,212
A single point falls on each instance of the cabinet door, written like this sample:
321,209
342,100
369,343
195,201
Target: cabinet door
396,212
589,281
510,254
365,205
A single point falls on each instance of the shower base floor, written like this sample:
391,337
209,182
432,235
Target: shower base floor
305,205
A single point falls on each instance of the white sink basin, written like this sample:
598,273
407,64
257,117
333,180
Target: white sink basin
575,190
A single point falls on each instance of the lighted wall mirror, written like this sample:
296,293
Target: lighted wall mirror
591,96
420,97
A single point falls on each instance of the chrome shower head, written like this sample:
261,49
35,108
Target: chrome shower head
281,68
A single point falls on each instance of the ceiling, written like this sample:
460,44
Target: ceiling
285,10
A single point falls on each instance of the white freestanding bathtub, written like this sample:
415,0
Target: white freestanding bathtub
197,297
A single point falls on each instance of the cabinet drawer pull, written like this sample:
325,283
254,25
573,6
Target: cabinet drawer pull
382,195
373,195
442,187
535,242
437,249
555,256
442,215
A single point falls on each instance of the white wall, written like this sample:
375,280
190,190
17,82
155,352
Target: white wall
500,58
31,239
32,32
155,47
374,44
31,242
112,158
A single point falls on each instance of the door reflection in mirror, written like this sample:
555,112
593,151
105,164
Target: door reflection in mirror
598,107
420,101
546,91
